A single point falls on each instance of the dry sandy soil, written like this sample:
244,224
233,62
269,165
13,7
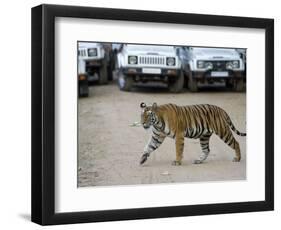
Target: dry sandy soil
110,149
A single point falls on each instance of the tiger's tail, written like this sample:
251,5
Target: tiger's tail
229,122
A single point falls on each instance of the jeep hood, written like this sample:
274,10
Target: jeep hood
214,54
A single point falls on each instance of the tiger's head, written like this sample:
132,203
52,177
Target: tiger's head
148,115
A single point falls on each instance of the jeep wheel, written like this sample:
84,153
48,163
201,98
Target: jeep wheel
83,91
177,85
103,78
110,73
111,66
239,85
228,84
125,82
192,83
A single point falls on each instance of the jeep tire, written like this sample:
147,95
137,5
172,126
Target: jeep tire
239,85
103,78
83,90
177,85
111,66
228,84
125,82
110,73
192,83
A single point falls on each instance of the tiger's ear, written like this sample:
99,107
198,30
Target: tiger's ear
142,105
154,106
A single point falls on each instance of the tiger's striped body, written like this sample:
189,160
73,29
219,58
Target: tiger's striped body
194,121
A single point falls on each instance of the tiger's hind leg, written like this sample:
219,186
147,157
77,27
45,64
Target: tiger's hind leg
236,147
204,142
229,139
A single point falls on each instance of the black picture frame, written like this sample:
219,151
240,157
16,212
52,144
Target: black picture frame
43,114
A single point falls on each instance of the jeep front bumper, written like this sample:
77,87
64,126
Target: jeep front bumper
94,63
223,74
151,71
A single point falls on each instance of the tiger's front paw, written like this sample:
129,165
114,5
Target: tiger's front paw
176,163
144,158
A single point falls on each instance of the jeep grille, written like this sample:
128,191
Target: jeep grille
152,60
219,65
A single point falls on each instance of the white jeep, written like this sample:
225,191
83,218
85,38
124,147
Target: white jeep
92,61
147,63
208,65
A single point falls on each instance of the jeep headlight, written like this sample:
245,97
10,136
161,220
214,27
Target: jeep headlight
208,65
92,52
232,64
132,60
229,65
200,64
171,61
235,64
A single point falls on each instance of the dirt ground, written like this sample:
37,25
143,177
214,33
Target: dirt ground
110,149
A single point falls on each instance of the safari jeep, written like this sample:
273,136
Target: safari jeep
209,65
92,61
146,63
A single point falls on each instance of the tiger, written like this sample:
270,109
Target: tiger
192,121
